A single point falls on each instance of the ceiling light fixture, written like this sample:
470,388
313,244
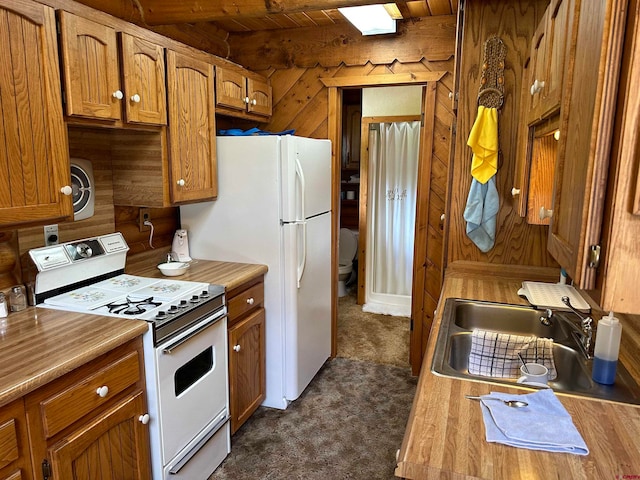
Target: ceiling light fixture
370,19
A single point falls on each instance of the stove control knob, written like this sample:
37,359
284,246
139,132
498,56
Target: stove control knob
204,294
161,315
103,391
183,304
195,299
84,250
173,309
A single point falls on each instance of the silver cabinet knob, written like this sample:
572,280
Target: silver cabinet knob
117,95
66,190
144,419
102,391
515,191
236,348
135,98
181,182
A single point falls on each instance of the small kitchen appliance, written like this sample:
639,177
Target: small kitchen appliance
185,347
180,245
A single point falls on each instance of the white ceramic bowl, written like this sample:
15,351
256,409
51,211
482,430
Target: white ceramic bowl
173,269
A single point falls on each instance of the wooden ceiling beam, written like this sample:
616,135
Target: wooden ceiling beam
163,12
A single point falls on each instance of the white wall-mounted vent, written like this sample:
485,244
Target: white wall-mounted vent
83,188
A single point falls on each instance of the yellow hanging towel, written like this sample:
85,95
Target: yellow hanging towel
483,140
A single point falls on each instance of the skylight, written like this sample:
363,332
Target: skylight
370,19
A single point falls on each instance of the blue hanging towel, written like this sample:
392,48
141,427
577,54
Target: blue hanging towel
480,213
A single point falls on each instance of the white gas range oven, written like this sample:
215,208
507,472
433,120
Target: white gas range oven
185,347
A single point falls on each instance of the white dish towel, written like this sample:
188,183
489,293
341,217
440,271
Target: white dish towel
495,354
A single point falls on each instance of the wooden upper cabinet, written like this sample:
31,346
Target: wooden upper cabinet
231,89
548,59
241,92
34,154
192,129
89,60
143,71
259,95
586,127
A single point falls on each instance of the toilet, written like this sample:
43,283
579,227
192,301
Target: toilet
347,252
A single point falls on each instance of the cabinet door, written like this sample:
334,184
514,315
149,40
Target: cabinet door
90,63
585,139
558,26
144,81
192,132
231,89
34,155
247,376
88,453
14,443
259,96
538,68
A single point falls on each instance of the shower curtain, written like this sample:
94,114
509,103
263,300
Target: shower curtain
393,177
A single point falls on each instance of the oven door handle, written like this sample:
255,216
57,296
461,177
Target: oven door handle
170,348
175,468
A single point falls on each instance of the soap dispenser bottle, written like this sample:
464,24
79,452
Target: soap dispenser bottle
605,361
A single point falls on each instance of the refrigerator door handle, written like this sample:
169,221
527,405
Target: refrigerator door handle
300,175
302,258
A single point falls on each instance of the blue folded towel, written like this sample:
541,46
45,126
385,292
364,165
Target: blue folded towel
542,425
480,213
237,132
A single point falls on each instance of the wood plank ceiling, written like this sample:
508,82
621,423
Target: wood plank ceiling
235,16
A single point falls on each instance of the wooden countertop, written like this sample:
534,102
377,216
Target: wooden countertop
445,436
38,345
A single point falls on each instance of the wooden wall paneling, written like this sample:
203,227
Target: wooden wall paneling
140,168
427,37
93,145
9,260
516,241
421,244
165,223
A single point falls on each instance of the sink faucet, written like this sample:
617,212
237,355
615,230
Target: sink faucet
586,326
582,332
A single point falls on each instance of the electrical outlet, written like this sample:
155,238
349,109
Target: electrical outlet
144,215
51,235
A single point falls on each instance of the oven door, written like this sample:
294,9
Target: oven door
192,383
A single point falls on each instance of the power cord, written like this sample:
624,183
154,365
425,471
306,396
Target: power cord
148,222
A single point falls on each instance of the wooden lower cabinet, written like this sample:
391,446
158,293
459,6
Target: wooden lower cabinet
14,443
247,360
91,422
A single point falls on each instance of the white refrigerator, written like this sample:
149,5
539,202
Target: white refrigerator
274,208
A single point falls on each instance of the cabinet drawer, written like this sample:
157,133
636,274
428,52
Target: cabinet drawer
74,402
8,443
245,301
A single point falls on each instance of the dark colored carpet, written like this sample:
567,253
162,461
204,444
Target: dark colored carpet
347,424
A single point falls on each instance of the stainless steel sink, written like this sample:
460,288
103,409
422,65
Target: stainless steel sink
460,317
